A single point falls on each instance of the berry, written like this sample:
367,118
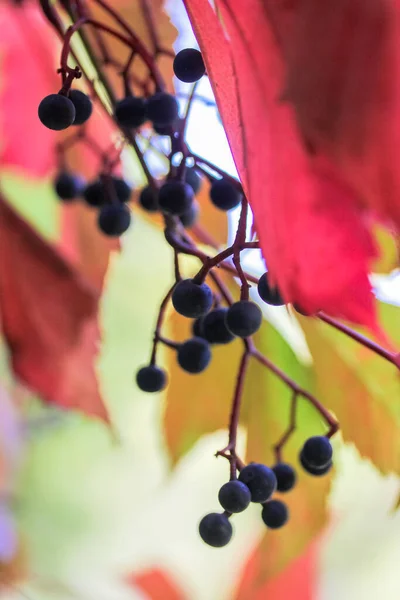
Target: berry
267,293
285,477
83,106
317,452
94,194
68,186
56,112
122,189
197,327
163,129
194,355
114,219
192,299
234,496
214,327
148,199
243,318
189,65
131,112
189,217
162,109
215,530
97,193
260,480
175,197
151,379
224,195
316,472
275,514
193,179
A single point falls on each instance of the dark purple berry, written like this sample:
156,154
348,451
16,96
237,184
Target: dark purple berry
162,109
215,530
214,327
234,496
148,199
175,197
267,293
122,189
104,191
275,514
316,472
131,112
151,379
224,195
68,186
197,327
285,477
164,129
83,106
189,65
317,452
114,219
260,480
243,318
191,299
56,112
194,355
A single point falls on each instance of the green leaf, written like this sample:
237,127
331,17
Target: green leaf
36,202
361,388
267,405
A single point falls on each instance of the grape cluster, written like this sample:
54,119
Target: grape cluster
216,318
109,194
211,325
176,196
60,111
258,483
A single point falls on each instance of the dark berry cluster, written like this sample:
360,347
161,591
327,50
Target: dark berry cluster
176,197
109,194
216,325
133,111
60,111
142,110
257,483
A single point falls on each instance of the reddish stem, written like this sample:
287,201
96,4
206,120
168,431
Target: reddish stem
160,320
235,411
361,339
333,424
290,430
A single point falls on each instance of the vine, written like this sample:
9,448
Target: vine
217,316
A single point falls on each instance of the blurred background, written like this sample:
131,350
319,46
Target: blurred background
91,510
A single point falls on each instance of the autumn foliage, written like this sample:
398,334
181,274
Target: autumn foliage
308,94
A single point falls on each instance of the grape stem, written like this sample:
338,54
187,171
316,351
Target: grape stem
159,323
392,357
186,246
228,259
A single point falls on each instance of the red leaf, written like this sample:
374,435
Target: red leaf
299,580
49,319
346,97
156,584
313,233
28,73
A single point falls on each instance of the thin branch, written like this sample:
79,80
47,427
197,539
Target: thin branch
159,323
290,430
